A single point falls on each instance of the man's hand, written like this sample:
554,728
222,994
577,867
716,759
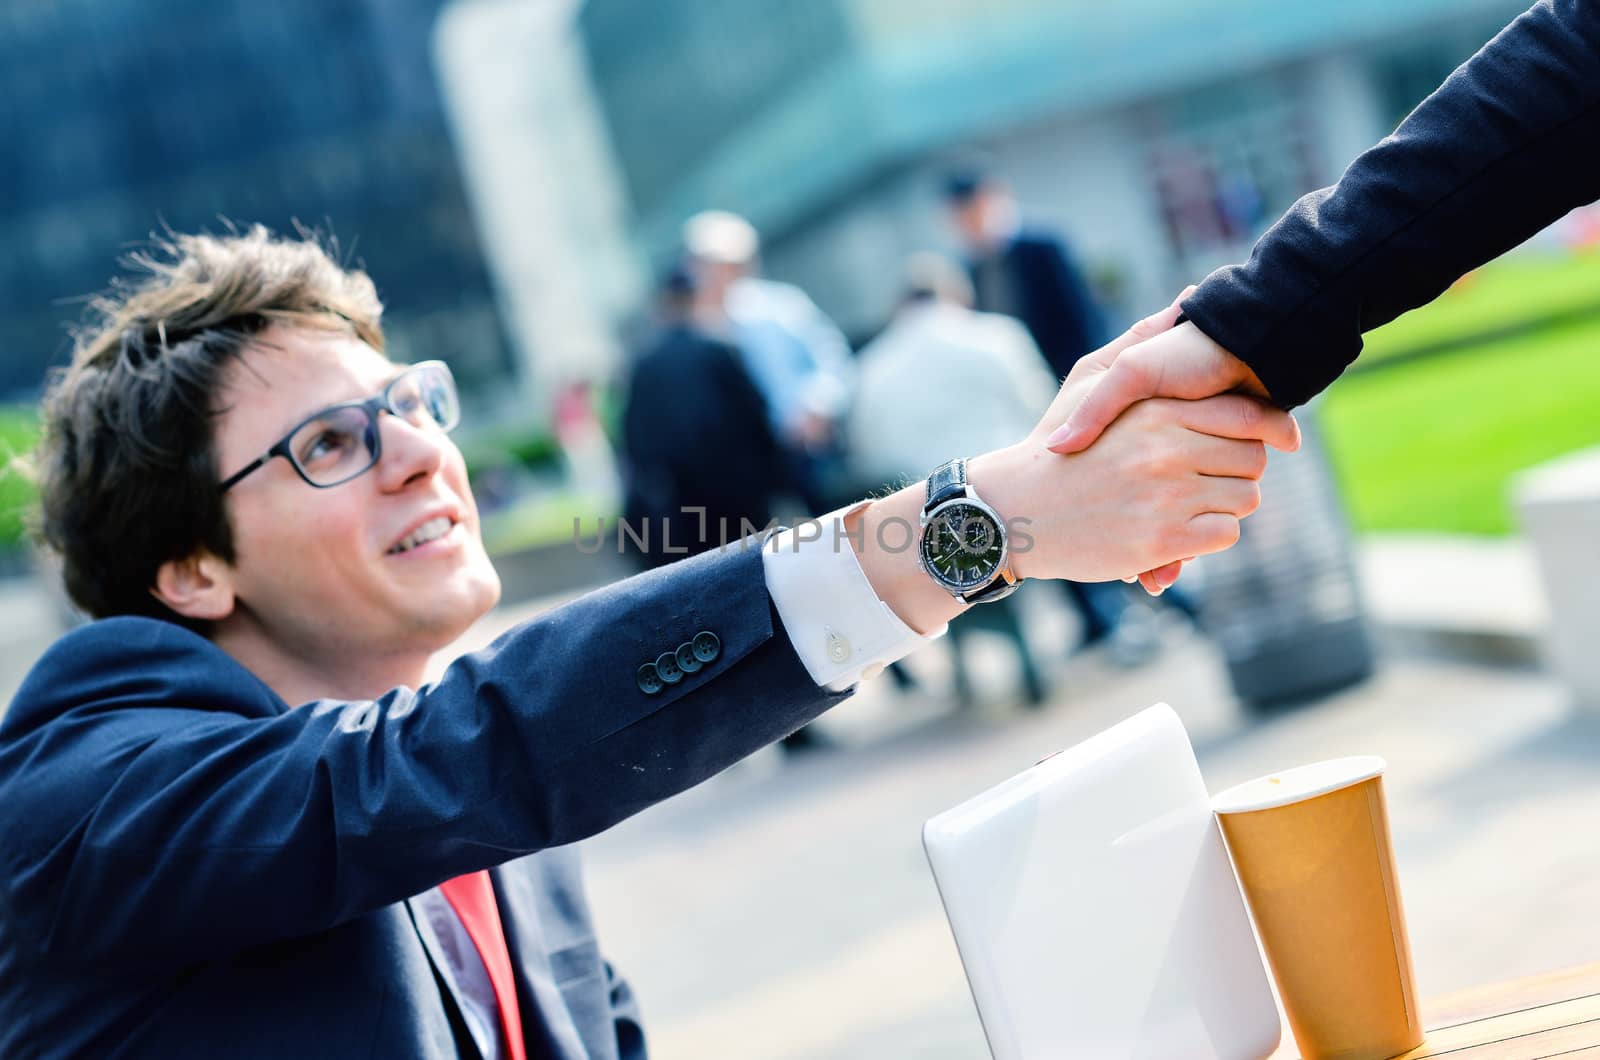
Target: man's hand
1169,480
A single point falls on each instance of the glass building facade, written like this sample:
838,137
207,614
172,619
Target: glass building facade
677,80
124,117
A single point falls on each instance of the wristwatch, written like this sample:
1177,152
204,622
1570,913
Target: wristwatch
963,543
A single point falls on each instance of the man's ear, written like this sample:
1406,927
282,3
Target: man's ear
198,586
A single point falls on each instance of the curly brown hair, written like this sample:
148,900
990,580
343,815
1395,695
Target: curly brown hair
126,466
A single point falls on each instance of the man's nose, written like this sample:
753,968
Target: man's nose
409,451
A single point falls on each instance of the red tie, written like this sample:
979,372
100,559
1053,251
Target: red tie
472,897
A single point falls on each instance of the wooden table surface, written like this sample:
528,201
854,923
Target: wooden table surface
1524,1019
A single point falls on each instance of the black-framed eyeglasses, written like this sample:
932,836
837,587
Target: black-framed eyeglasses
340,442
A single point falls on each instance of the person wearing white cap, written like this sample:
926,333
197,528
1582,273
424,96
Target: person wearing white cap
797,356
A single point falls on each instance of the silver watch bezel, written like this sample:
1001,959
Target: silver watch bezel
970,499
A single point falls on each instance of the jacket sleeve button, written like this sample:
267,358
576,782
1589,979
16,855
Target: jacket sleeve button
688,661
706,646
649,679
667,667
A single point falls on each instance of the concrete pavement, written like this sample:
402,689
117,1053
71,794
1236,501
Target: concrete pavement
29,623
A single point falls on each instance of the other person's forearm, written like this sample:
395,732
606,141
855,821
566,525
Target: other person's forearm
1507,145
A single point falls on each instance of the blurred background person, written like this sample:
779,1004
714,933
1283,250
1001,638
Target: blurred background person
943,377
704,464
1023,271
938,355
796,355
702,459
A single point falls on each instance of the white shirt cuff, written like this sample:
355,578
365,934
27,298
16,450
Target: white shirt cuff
838,626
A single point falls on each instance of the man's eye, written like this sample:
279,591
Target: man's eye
327,446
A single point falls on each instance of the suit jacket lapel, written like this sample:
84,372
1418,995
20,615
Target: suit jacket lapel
436,956
542,1004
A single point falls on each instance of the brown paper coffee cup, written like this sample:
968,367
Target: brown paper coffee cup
1312,851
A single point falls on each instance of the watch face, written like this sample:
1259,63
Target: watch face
963,546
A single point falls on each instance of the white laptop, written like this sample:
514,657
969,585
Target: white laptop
1096,911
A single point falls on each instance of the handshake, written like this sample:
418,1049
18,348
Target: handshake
1151,454
1206,426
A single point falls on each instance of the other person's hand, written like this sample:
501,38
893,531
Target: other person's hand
1171,362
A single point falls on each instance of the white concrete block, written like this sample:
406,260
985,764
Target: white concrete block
1559,505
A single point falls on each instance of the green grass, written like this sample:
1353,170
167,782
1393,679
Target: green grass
532,448
1526,288
19,430
545,519
1433,444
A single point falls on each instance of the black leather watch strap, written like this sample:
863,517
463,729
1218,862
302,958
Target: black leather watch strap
1005,583
947,481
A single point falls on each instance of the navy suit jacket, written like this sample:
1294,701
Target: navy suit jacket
1507,145
1054,300
192,868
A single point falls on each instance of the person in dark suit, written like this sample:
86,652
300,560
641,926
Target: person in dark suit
1507,145
703,463
239,821
1023,271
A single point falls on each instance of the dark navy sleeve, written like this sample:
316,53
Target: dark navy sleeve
160,806
1507,145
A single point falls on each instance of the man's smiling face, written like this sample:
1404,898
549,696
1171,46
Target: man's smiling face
388,564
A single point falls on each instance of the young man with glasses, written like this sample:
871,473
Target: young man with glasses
237,822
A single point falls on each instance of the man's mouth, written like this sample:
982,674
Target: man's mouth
431,530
